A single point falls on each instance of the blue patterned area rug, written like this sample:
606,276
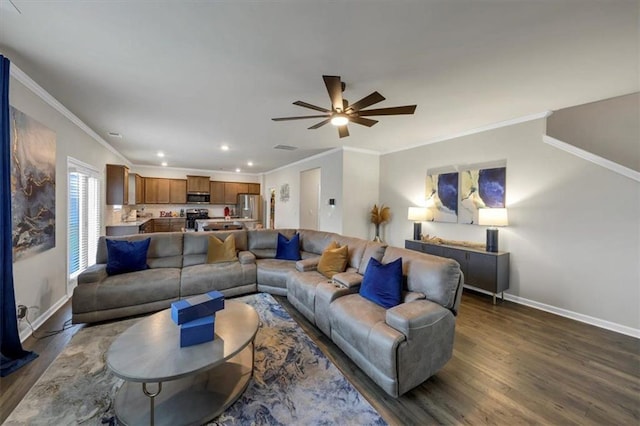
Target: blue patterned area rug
293,382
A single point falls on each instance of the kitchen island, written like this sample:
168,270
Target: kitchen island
220,224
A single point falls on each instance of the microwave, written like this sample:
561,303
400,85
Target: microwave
194,198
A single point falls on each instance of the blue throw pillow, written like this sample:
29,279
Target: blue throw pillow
126,256
382,284
288,249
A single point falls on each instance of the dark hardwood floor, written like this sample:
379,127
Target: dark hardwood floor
511,365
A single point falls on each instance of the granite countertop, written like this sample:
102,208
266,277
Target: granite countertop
141,221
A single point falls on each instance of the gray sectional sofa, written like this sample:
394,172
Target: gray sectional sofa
398,348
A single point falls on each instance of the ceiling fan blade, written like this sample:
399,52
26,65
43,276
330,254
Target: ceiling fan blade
363,121
306,105
407,109
298,118
334,88
373,98
320,124
343,131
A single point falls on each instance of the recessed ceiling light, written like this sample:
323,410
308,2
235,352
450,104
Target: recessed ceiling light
115,135
238,170
164,163
225,147
250,163
160,154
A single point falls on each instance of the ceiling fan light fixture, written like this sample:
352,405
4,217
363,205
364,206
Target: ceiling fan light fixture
339,119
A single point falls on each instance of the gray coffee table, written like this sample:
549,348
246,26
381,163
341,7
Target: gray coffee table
167,384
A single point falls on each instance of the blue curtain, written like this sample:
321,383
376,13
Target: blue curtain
13,356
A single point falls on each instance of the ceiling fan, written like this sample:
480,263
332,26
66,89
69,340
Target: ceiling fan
341,113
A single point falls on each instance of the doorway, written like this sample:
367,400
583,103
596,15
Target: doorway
272,208
309,198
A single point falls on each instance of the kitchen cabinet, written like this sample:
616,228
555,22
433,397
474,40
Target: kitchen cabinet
198,184
136,189
178,191
147,227
217,192
231,191
482,269
117,184
253,188
157,191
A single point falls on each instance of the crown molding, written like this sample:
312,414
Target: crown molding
304,160
596,159
30,84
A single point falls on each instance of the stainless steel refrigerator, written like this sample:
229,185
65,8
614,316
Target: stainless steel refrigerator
249,206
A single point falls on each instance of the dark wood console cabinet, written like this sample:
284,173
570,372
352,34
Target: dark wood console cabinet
482,269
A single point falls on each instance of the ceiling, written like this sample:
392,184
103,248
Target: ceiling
185,77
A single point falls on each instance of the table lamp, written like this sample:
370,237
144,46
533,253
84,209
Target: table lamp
492,218
418,215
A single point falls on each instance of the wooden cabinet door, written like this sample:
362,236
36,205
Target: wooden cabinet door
177,191
253,188
161,225
231,191
139,189
217,192
178,225
198,184
117,184
157,191
151,190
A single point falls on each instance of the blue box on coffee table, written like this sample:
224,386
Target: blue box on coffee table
197,331
196,307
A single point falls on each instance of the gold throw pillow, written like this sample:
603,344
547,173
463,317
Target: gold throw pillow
219,251
333,260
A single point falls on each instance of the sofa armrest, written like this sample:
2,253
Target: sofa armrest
348,279
413,317
309,264
93,274
246,257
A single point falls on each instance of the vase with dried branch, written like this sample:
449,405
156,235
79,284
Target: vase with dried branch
379,215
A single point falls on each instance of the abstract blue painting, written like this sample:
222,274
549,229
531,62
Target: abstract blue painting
481,188
33,185
442,196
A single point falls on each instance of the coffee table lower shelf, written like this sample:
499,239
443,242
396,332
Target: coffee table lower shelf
192,400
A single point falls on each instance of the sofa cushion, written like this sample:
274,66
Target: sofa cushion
374,250
273,272
301,291
263,242
127,256
356,249
382,284
201,278
288,249
165,249
436,277
220,251
196,244
333,260
316,242
130,289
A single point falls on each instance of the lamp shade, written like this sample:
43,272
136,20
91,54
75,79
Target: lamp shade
417,214
493,217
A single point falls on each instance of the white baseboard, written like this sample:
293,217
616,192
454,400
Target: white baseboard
24,334
608,325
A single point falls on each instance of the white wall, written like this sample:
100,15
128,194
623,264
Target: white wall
360,189
288,212
177,173
40,281
574,233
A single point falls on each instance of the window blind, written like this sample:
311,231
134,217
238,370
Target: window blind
84,216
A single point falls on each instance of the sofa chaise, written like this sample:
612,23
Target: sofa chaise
398,347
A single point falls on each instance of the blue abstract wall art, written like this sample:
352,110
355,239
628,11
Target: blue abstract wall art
442,196
481,188
33,185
